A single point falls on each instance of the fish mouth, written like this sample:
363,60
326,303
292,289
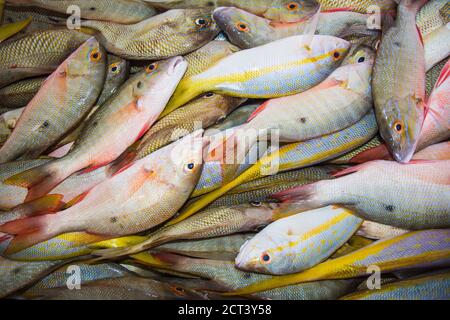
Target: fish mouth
250,265
220,16
403,155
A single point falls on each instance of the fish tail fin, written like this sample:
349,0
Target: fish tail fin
445,73
11,29
27,232
285,210
127,248
380,152
87,30
125,159
162,258
47,203
305,198
117,242
185,92
40,180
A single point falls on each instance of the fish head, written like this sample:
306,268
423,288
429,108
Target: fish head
178,291
400,125
263,253
196,24
333,50
259,213
355,73
291,11
360,54
184,159
88,59
157,82
117,69
242,28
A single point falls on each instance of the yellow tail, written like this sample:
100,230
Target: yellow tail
11,29
185,92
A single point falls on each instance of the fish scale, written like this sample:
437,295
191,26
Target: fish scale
433,75
58,278
352,155
437,48
201,59
18,94
361,6
169,34
123,11
432,15
37,54
15,275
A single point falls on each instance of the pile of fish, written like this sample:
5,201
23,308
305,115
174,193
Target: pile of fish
180,149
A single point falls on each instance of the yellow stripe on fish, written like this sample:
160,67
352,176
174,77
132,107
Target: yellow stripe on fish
298,242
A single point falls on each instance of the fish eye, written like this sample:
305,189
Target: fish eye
209,94
398,127
178,290
242,26
256,203
361,60
202,22
139,84
291,6
95,56
336,55
221,119
115,68
151,67
11,123
265,257
190,166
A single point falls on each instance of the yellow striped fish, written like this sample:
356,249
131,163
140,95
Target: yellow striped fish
277,69
298,242
421,249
